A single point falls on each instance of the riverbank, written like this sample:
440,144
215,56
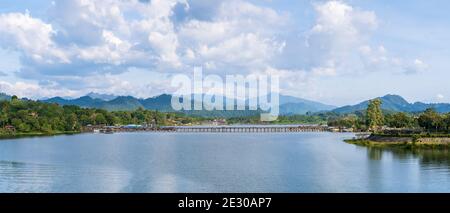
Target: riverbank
404,141
35,134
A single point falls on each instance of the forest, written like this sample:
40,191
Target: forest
27,116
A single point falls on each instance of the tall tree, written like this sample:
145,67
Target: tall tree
431,120
447,121
374,115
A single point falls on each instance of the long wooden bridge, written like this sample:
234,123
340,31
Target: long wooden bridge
231,129
225,129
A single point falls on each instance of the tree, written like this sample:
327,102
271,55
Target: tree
34,116
399,120
447,121
71,122
349,121
100,119
374,115
85,120
431,120
3,117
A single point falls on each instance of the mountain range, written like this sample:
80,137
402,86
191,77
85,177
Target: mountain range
395,103
288,105
4,96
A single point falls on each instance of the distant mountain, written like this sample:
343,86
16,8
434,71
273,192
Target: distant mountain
84,101
294,105
58,100
288,105
395,103
105,97
4,96
121,103
160,103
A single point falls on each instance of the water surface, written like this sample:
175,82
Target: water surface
215,162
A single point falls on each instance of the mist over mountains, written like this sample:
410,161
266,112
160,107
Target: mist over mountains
288,105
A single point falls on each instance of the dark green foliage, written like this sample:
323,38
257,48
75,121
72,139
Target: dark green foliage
433,121
27,116
399,120
374,115
347,121
395,103
428,121
288,105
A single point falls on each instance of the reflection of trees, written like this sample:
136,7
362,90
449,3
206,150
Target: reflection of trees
402,154
374,153
435,157
11,164
427,157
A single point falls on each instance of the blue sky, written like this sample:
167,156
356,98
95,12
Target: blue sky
336,52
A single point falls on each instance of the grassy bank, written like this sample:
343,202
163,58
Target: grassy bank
413,143
34,134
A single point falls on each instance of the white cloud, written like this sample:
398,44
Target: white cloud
31,36
166,45
245,50
110,36
113,51
419,65
340,43
338,33
338,18
33,90
238,38
88,44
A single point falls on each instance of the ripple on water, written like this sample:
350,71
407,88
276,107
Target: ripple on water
33,177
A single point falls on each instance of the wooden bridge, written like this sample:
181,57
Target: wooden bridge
231,129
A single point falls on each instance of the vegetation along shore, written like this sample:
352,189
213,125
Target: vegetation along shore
23,117
428,129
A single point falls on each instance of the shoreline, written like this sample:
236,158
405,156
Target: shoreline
403,142
36,134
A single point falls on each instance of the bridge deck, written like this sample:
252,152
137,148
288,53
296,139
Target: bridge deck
250,129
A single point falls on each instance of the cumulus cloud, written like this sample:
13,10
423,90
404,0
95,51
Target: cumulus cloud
339,43
31,36
84,37
339,31
87,44
33,90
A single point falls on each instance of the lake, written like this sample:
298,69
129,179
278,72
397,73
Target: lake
215,162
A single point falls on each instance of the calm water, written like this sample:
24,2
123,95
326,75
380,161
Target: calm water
189,162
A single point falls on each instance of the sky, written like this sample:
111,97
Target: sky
337,52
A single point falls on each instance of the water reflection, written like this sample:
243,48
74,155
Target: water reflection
374,153
31,177
178,162
426,157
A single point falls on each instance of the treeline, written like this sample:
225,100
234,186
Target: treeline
34,116
374,118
